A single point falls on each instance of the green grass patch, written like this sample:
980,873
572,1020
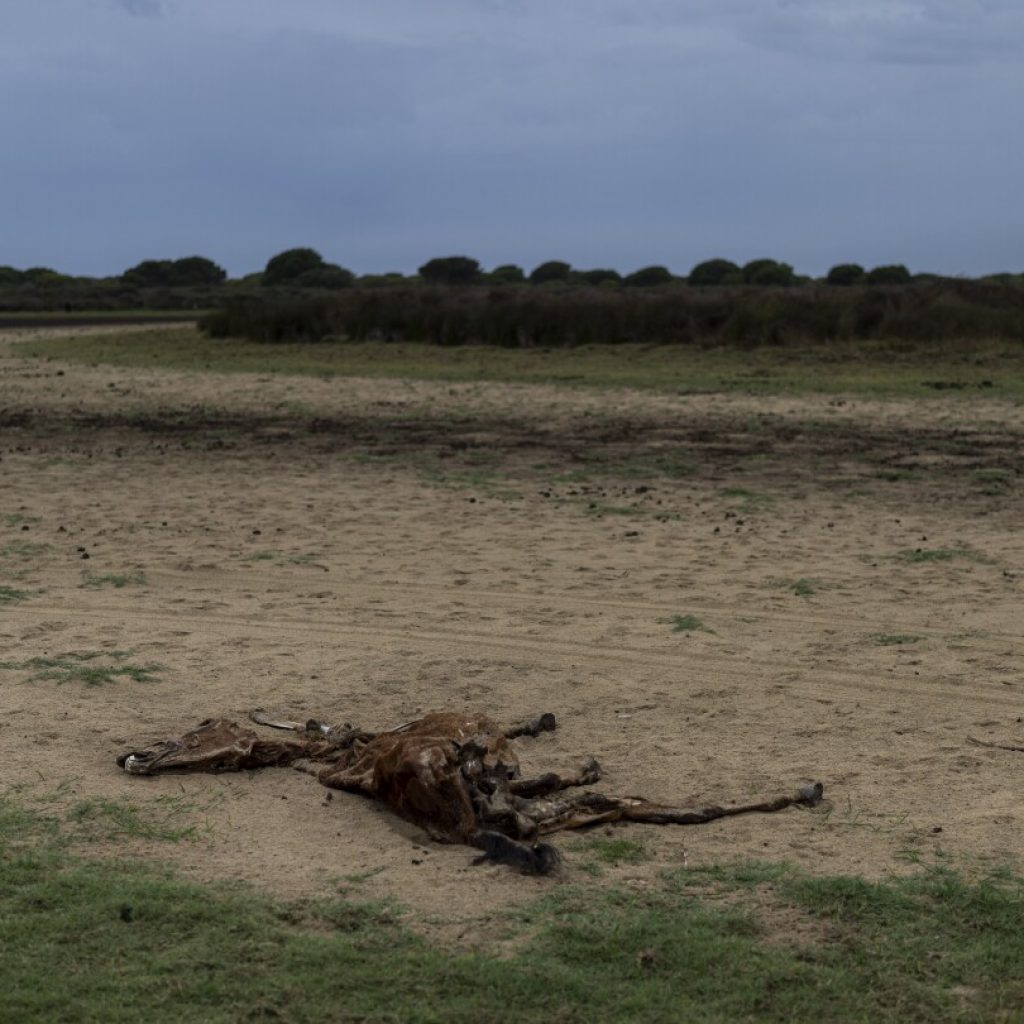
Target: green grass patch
801,588
746,501
669,464
260,556
483,481
865,368
894,639
113,579
687,624
10,595
23,549
18,519
91,940
613,851
93,668
600,508
994,482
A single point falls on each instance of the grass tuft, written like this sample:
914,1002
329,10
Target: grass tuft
940,555
99,818
80,667
687,624
118,580
894,639
614,851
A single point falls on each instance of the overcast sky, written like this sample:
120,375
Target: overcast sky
604,132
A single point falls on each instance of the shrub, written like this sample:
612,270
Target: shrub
198,270
598,276
894,273
327,275
845,274
184,273
553,270
768,273
648,277
507,273
286,266
452,270
715,272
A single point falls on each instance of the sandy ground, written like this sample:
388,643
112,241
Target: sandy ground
364,551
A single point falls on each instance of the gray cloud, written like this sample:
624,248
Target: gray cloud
617,132
142,8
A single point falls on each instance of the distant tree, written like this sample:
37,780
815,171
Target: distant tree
290,264
599,276
845,274
451,270
507,273
768,273
327,275
553,270
150,274
45,277
190,271
34,274
10,276
648,277
717,271
198,270
893,273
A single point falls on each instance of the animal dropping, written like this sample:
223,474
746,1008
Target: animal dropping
456,776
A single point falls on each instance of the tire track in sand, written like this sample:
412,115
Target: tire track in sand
813,683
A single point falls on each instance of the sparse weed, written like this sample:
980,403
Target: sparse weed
895,475
23,549
102,819
482,480
93,581
994,482
9,595
940,555
687,624
260,556
18,519
746,501
894,639
801,588
599,508
640,466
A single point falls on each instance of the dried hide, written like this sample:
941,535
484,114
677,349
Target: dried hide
456,776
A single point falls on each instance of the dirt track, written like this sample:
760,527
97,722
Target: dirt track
367,550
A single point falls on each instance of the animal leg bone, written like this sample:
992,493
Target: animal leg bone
583,809
588,774
533,726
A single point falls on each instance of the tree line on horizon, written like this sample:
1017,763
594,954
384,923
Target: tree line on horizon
306,268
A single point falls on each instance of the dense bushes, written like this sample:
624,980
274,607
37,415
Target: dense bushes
525,317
